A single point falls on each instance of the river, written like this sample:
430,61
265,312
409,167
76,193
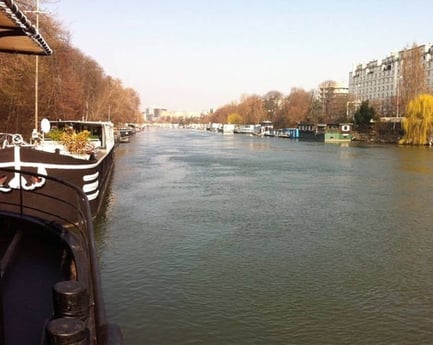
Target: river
212,239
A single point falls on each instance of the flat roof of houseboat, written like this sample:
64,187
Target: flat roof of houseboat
17,33
81,122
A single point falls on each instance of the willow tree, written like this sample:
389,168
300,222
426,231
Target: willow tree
234,118
418,123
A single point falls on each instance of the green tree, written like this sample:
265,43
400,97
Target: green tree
364,115
418,123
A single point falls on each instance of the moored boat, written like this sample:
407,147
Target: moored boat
247,129
126,133
86,163
338,133
266,129
50,289
311,132
50,286
290,133
228,129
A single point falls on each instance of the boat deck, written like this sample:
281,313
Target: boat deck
32,261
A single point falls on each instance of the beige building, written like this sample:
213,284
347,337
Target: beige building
333,97
378,80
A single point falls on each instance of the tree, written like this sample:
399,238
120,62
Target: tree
418,124
221,114
234,118
71,84
282,110
413,81
272,102
252,109
295,107
364,115
315,110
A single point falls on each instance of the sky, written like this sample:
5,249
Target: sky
193,55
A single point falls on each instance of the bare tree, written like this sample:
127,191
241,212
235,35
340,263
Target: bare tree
252,109
413,78
272,102
296,106
71,84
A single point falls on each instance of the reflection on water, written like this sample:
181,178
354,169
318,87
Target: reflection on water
212,239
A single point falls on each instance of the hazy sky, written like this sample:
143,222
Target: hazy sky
196,55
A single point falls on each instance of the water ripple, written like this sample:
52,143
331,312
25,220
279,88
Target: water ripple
242,240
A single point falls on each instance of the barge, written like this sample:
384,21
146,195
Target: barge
50,287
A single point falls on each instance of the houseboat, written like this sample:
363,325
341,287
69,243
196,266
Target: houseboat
59,152
328,133
338,133
215,127
125,134
266,129
228,129
289,133
311,132
247,129
50,284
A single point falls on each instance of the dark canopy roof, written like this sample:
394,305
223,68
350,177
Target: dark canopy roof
17,34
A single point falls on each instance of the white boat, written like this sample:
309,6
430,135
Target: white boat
228,129
247,129
266,129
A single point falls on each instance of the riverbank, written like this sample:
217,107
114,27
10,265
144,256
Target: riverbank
377,137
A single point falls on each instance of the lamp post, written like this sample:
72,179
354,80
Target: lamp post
398,96
347,109
37,73
35,130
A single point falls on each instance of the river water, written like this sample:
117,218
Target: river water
211,239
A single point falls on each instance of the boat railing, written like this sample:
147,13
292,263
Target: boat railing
19,202
10,139
81,219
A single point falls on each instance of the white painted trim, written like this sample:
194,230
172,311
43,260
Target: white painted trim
93,196
91,177
90,187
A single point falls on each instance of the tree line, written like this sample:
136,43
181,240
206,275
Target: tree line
330,106
71,85
283,110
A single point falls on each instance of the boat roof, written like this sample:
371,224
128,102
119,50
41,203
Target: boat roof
82,122
17,33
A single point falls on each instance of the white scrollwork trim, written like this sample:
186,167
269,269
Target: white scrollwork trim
19,181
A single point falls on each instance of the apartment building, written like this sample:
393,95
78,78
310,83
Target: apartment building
333,97
378,81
